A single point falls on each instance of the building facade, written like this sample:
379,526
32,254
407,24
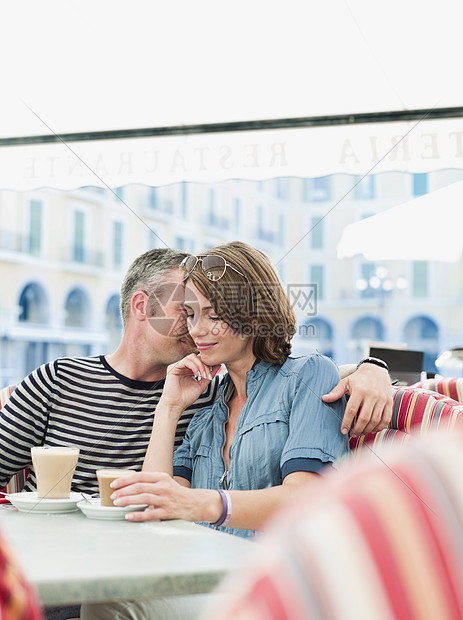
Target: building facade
63,256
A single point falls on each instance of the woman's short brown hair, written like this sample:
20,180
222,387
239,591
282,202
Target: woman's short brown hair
253,303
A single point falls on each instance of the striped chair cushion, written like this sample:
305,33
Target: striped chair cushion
414,410
18,599
382,538
17,481
5,394
451,387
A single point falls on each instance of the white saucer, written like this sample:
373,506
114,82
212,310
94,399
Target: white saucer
94,510
29,502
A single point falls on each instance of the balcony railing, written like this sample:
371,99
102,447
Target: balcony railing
83,256
11,241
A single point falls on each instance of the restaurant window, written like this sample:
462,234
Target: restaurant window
282,188
77,309
33,304
365,330
120,191
211,207
185,244
237,213
421,333
35,354
368,327
153,239
260,221
281,229
184,198
78,246
363,284
420,278
113,313
320,334
364,187
113,322
317,190
35,227
321,189
264,232
317,276
153,198
118,232
420,184
317,225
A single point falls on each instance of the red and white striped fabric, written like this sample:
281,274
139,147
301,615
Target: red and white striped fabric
17,481
5,394
416,411
380,539
451,387
18,600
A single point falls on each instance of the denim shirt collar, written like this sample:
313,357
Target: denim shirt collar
257,370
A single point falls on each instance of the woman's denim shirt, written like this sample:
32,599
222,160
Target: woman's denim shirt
283,427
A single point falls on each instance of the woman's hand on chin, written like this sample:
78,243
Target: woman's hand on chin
185,381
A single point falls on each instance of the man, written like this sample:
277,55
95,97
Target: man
105,404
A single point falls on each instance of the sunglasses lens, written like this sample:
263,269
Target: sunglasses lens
214,267
188,264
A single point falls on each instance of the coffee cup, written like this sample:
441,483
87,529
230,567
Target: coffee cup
54,468
105,477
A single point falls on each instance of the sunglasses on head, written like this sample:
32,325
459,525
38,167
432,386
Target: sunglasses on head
213,267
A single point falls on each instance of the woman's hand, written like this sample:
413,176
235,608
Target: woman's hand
185,381
166,498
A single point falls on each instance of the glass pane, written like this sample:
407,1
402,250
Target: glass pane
117,244
35,230
316,232
316,277
78,248
420,279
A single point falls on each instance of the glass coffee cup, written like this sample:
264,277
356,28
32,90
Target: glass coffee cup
105,477
54,468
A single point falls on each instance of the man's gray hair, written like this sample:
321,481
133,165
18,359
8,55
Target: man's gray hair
147,273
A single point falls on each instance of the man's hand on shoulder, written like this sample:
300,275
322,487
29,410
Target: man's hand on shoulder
370,399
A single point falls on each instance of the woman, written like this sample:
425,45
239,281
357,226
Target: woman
268,433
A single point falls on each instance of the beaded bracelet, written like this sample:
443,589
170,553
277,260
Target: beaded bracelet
226,509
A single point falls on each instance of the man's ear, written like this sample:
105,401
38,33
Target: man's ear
139,305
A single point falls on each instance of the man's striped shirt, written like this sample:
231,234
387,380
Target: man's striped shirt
84,402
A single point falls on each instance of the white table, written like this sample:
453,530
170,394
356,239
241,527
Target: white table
70,558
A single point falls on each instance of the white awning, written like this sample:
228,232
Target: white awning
356,149
426,228
109,65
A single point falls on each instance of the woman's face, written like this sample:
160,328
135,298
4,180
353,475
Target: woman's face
215,340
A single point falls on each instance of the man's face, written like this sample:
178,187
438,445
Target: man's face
167,320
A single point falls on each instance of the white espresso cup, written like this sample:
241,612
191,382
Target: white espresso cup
54,469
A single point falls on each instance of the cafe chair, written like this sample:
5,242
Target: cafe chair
415,411
379,538
18,599
17,481
451,387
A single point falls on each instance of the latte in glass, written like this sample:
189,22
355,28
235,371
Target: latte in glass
54,469
105,477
